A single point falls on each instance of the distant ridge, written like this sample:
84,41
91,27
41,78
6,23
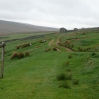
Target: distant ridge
14,27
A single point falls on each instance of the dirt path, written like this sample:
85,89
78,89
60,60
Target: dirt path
67,49
58,50
50,44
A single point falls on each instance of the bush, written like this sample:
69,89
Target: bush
67,76
72,46
27,53
60,43
14,55
54,49
87,49
96,56
40,41
83,33
17,47
61,77
26,45
21,55
47,50
67,44
75,82
80,49
93,54
23,45
70,56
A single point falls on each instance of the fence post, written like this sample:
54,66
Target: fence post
2,59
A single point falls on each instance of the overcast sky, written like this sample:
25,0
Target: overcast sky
53,13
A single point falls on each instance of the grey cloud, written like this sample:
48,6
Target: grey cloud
55,13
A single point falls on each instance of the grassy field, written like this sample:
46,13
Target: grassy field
64,73
10,36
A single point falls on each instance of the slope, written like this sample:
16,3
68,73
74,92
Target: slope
13,27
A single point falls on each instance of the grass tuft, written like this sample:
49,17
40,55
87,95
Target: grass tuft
70,56
21,55
61,77
75,82
27,53
65,85
14,55
54,49
47,50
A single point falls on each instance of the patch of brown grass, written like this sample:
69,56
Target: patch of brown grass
21,55
27,53
47,50
14,55
54,49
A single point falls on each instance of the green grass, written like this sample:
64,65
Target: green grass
89,39
35,76
20,35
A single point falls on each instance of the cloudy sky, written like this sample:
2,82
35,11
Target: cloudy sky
53,13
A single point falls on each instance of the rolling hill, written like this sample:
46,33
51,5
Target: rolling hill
66,66
14,27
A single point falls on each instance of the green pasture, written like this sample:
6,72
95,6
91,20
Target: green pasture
20,35
83,40
42,75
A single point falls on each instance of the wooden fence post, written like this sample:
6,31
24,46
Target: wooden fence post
2,59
